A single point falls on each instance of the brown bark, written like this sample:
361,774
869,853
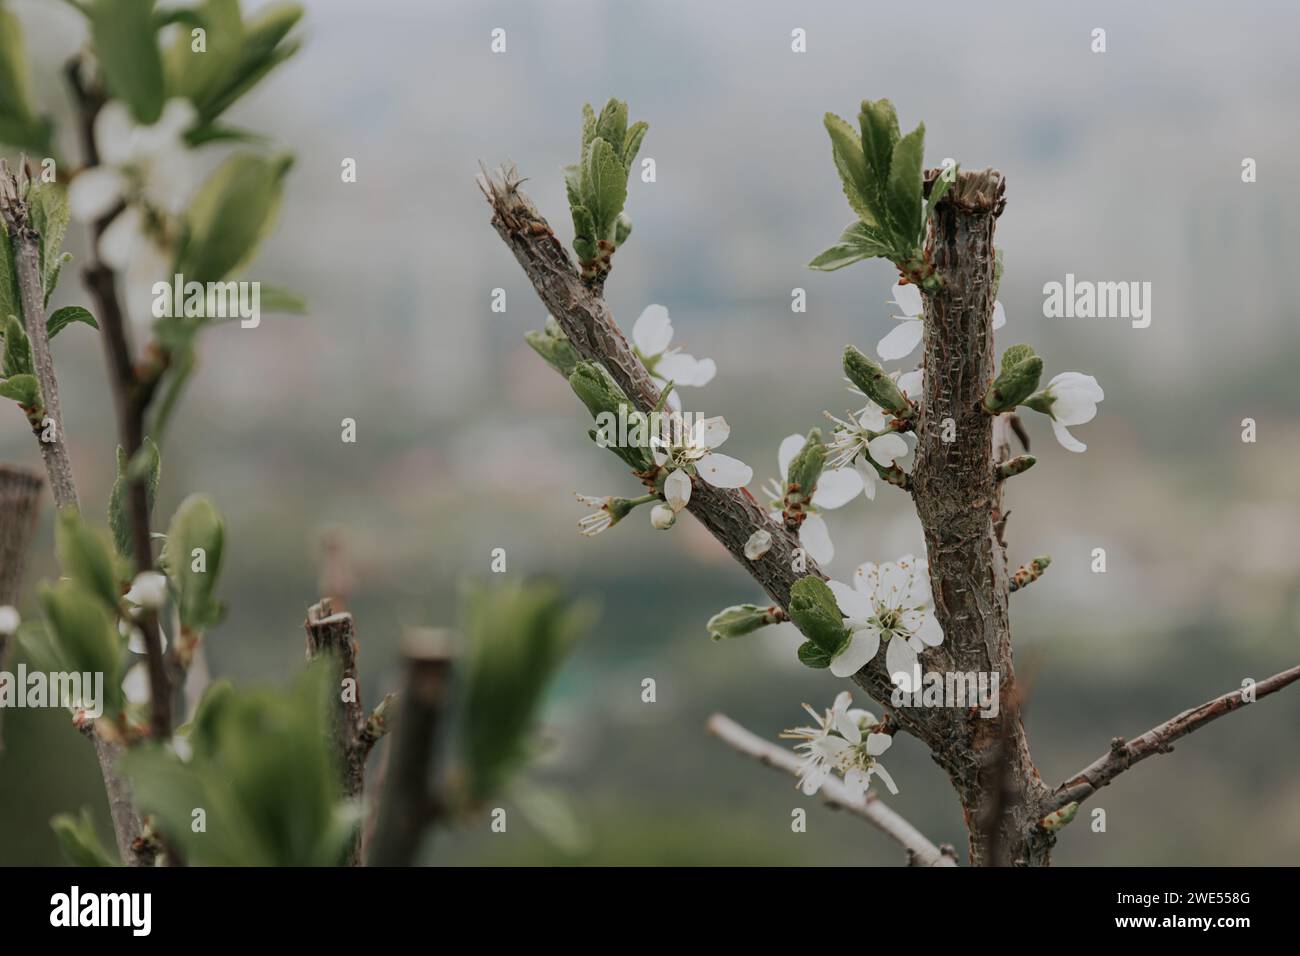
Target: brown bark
20,504
407,804
958,500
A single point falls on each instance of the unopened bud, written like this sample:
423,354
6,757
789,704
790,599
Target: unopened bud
867,374
662,517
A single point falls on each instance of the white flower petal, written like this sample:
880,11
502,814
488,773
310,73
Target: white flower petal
685,369
677,489
847,728
866,579
115,134
930,633
883,774
902,663
872,417
135,685
711,432
117,246
894,581
902,340
856,782
852,603
877,744
790,446
887,448
868,476
652,331
837,487
816,538
999,316
908,298
1068,441
862,647
723,471
94,192
912,383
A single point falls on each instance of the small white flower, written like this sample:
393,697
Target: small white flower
9,620
135,685
662,517
903,339
1069,399
593,524
891,603
696,452
148,590
759,543
838,742
651,334
835,488
857,439
149,168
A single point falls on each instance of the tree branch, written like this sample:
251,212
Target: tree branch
921,851
731,516
1158,740
407,804
132,393
20,503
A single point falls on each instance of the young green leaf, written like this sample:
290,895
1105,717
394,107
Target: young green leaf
806,466
739,620
859,241
119,519
612,125
879,127
83,634
18,350
605,187
86,559
65,316
194,544
859,187
126,45
905,186
78,841
23,389
232,212
815,613
19,126
1013,385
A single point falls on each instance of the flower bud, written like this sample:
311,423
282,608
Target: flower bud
740,620
1014,384
9,620
806,467
149,590
662,517
867,375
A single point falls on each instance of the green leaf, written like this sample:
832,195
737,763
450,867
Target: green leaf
126,44
553,346
23,389
612,125
632,145
65,316
10,300
859,187
194,544
588,130
119,514
815,613
1013,385
83,634
78,840
739,620
938,189
50,216
878,124
905,186
19,126
18,350
604,187
263,772
1016,354
276,299
604,399
811,655
232,212
859,241
86,559
518,637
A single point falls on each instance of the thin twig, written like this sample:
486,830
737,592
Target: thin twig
1158,740
869,807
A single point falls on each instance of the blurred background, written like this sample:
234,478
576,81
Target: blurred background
1120,166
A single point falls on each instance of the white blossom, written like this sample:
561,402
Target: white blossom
858,438
696,453
1069,399
651,334
662,517
148,590
844,740
835,488
9,620
889,603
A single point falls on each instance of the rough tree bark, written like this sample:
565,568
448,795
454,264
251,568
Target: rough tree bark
957,499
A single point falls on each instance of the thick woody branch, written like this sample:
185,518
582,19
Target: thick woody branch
20,503
407,804
1158,740
731,516
921,852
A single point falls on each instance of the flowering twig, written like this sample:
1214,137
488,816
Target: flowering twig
133,390
869,807
1158,740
